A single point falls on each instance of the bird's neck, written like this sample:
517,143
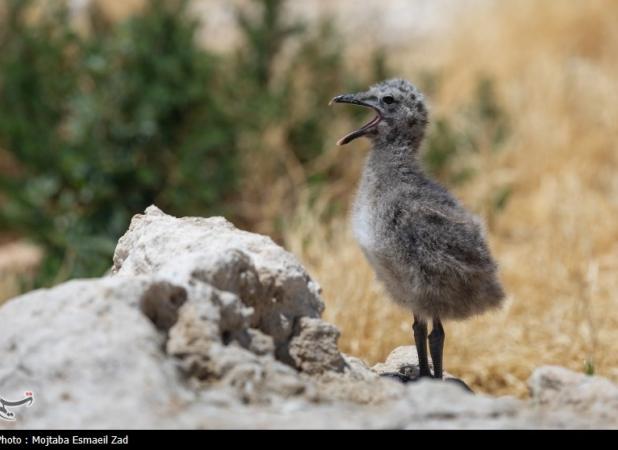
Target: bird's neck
396,162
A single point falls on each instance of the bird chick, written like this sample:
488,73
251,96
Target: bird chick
427,250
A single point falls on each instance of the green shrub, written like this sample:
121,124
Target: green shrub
292,96
100,124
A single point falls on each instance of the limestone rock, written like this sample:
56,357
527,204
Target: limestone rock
314,347
212,251
90,357
594,399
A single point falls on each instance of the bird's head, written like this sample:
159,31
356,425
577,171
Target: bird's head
401,114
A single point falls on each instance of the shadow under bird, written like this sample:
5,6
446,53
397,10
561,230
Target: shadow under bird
427,250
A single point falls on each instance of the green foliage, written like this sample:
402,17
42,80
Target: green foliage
488,114
319,59
99,125
500,198
589,368
264,37
289,95
443,144
482,122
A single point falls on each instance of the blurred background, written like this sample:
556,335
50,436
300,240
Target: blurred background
220,108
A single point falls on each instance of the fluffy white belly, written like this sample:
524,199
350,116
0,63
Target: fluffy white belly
363,227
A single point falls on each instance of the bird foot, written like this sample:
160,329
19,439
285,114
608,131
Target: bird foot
411,373
406,374
399,377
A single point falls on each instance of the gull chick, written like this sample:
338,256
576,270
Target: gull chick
425,247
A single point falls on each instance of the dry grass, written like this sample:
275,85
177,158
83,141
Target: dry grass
556,73
19,261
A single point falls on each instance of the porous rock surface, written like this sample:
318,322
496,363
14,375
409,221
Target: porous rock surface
201,325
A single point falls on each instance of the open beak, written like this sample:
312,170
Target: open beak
356,99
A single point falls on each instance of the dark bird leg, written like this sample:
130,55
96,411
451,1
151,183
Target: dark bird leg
420,339
436,347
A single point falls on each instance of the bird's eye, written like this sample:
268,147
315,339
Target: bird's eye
388,99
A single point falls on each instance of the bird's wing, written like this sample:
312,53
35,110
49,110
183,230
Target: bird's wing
445,239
